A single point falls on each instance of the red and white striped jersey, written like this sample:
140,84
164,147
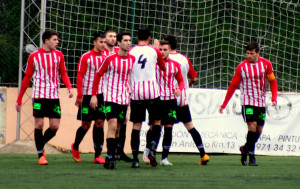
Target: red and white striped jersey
44,67
187,71
143,82
88,64
167,79
117,70
107,53
253,81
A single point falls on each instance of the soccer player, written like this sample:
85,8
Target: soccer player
168,93
117,68
88,64
144,91
183,110
252,74
111,48
45,65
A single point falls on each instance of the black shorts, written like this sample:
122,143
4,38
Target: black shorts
183,114
139,107
114,110
86,113
168,112
254,113
46,108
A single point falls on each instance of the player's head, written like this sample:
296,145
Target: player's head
124,40
143,34
252,52
172,40
50,39
165,49
99,41
110,37
252,46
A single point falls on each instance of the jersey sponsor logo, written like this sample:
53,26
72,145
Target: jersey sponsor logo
85,110
37,106
249,111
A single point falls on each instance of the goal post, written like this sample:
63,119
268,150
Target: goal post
212,33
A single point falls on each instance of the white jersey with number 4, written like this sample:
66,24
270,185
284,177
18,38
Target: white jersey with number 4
143,83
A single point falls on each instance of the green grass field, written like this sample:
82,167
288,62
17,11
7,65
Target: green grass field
222,171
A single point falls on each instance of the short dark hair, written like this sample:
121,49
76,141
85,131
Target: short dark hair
120,35
98,34
143,34
171,39
108,31
48,34
251,46
164,42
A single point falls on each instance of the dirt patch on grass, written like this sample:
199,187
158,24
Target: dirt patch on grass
27,147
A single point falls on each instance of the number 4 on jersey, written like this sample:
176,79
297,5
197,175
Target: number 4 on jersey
143,62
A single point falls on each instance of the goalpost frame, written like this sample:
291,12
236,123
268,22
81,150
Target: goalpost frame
22,31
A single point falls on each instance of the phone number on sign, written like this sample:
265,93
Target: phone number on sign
277,147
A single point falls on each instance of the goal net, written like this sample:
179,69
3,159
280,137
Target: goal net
212,33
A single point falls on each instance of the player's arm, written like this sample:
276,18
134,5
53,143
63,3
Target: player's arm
99,73
160,60
81,70
273,83
192,81
192,74
101,70
25,82
232,87
155,43
64,76
180,81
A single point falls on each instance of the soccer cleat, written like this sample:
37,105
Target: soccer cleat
152,159
123,157
75,154
252,161
135,164
44,153
165,162
204,160
244,156
43,161
145,156
99,160
109,163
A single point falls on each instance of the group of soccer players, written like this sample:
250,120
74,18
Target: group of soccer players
148,77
